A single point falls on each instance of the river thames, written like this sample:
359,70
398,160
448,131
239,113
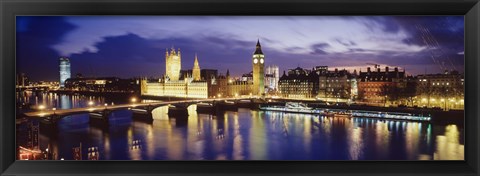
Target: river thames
243,135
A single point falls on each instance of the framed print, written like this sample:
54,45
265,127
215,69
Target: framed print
255,87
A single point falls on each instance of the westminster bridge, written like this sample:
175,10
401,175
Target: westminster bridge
99,115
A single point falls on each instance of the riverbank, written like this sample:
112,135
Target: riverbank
438,115
92,93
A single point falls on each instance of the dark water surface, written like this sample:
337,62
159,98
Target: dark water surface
246,135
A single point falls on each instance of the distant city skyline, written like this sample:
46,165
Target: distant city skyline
135,46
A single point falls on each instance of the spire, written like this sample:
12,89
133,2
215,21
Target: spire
196,69
172,52
195,63
228,72
258,48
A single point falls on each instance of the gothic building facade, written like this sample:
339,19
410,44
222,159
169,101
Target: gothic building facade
190,86
197,83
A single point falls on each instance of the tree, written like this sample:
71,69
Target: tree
408,92
361,95
389,92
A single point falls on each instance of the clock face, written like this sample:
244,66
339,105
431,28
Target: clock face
255,60
261,61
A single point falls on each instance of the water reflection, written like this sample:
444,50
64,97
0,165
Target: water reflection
448,145
248,135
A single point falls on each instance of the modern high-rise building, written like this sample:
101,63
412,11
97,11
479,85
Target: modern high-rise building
258,61
173,63
64,70
22,79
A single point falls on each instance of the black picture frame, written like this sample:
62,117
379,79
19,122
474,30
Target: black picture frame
10,8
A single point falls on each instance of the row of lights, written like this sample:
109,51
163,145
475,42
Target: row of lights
442,100
90,103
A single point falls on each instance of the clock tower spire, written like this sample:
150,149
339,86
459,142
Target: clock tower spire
258,61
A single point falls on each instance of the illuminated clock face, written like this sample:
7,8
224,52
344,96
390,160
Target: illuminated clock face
255,60
261,61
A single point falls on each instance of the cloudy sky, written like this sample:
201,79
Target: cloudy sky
135,46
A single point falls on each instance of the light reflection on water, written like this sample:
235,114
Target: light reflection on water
250,135
448,146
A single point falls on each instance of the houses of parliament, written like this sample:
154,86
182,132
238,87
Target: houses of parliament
204,83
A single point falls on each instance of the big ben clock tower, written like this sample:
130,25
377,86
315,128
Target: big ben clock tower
258,61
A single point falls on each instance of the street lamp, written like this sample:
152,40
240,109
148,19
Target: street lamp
90,103
385,103
133,100
444,104
41,107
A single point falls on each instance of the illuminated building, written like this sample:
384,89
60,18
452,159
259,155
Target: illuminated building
228,87
186,88
376,86
190,86
194,84
103,84
196,70
336,84
220,86
208,75
238,87
205,74
22,80
32,136
272,76
258,61
441,90
173,64
299,83
247,77
64,70
270,83
252,83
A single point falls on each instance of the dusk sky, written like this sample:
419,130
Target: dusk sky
135,46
